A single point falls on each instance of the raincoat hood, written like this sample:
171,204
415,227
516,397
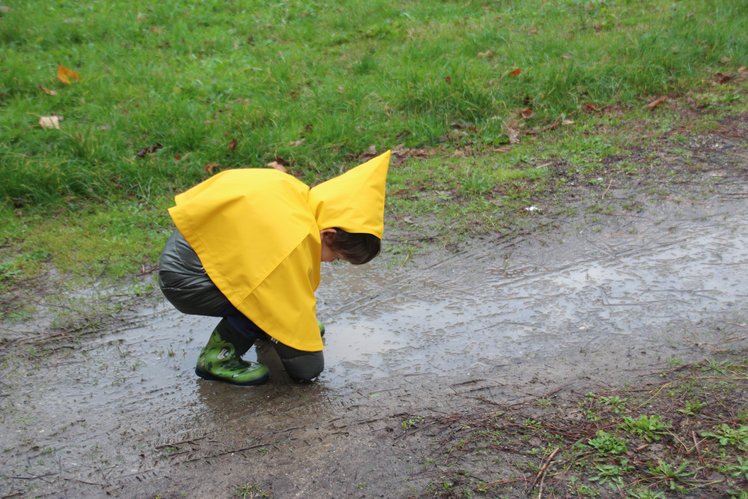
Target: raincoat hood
257,234
353,201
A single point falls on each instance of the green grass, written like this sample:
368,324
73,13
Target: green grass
316,83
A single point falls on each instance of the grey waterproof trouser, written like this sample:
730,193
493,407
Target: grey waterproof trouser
186,285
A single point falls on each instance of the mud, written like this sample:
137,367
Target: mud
594,301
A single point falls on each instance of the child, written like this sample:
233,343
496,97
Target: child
248,248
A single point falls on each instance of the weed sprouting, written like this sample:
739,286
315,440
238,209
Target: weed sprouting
672,475
728,436
607,444
413,422
650,428
692,407
250,491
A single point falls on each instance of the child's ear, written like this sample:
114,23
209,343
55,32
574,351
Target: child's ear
328,233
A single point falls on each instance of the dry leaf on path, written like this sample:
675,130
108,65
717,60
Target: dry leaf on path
48,122
67,75
278,166
47,91
149,150
211,167
657,102
722,78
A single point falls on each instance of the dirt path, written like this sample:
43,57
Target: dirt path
590,302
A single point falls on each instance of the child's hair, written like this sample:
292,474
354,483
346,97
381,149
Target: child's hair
355,247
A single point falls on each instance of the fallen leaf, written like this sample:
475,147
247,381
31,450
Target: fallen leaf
526,113
149,150
567,122
47,91
657,102
722,78
487,54
296,143
66,75
448,79
278,166
232,145
48,122
590,107
503,149
516,72
177,157
211,167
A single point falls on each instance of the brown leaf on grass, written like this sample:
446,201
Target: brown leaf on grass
47,91
590,107
515,72
486,55
448,80
657,102
278,166
503,149
232,145
50,122
149,150
526,113
67,75
211,167
721,78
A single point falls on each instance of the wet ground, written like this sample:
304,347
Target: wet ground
595,300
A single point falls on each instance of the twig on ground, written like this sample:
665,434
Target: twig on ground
696,446
541,473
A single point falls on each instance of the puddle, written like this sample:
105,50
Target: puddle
637,282
588,299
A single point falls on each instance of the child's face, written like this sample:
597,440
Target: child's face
328,254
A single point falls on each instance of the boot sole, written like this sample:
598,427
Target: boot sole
207,376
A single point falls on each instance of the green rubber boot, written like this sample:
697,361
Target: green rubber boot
219,362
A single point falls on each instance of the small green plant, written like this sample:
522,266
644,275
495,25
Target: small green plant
607,444
615,403
672,475
409,423
251,491
532,423
692,407
644,493
650,428
611,474
725,435
739,470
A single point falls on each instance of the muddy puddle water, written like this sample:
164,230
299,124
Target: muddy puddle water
591,298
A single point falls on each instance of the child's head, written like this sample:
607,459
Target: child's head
355,248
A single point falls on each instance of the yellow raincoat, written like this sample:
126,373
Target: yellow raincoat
257,234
